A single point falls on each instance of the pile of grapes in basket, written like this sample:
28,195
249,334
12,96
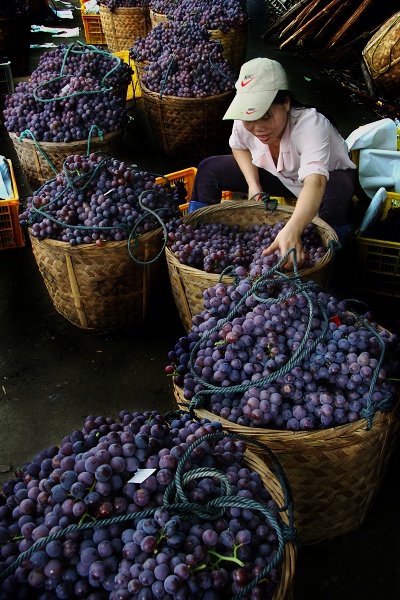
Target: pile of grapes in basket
223,15
183,62
150,550
212,247
72,89
285,355
96,198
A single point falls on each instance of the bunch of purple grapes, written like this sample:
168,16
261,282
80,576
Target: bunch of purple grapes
96,199
223,15
157,554
167,38
293,372
63,109
192,72
113,4
13,8
212,247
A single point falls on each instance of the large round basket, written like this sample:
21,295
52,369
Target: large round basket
234,43
99,288
188,283
284,590
35,160
123,25
188,127
15,43
335,474
382,55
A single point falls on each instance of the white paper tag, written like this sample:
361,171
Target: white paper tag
141,475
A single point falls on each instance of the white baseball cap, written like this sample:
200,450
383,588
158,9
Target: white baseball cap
259,81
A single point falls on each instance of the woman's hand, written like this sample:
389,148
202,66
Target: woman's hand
286,239
254,192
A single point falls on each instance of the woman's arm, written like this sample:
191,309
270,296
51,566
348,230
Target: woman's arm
307,206
249,170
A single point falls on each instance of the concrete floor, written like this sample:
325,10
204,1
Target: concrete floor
53,374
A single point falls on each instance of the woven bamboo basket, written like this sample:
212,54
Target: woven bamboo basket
99,288
123,25
188,127
234,44
335,474
382,55
188,283
156,18
15,36
38,170
284,590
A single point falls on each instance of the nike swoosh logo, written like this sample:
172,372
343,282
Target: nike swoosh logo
243,83
250,112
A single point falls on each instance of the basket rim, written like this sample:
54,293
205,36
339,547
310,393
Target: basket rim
219,210
343,435
25,140
179,99
88,248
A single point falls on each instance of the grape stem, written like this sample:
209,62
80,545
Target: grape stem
233,558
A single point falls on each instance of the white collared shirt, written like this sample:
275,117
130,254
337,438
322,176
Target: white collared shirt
310,145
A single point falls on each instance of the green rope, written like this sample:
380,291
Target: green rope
199,399
70,50
31,134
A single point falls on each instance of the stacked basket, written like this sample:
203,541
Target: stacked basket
122,26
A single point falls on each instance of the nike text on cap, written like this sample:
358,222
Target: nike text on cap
259,81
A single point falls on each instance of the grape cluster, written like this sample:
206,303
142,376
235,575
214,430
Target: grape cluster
150,556
295,369
194,70
72,89
13,8
167,38
212,247
113,4
223,15
96,199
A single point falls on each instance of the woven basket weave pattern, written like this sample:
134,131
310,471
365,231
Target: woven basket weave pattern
188,127
382,54
37,169
122,26
284,590
188,283
99,288
335,474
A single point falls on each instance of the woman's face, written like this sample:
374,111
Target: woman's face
271,126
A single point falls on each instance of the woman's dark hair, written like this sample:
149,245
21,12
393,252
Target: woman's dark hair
283,95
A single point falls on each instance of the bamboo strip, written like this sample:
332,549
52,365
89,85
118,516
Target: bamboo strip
349,23
297,34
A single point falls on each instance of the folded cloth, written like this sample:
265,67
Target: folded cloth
6,190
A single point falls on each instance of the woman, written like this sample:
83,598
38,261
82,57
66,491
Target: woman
283,148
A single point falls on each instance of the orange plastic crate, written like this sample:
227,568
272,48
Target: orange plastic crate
93,30
11,234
